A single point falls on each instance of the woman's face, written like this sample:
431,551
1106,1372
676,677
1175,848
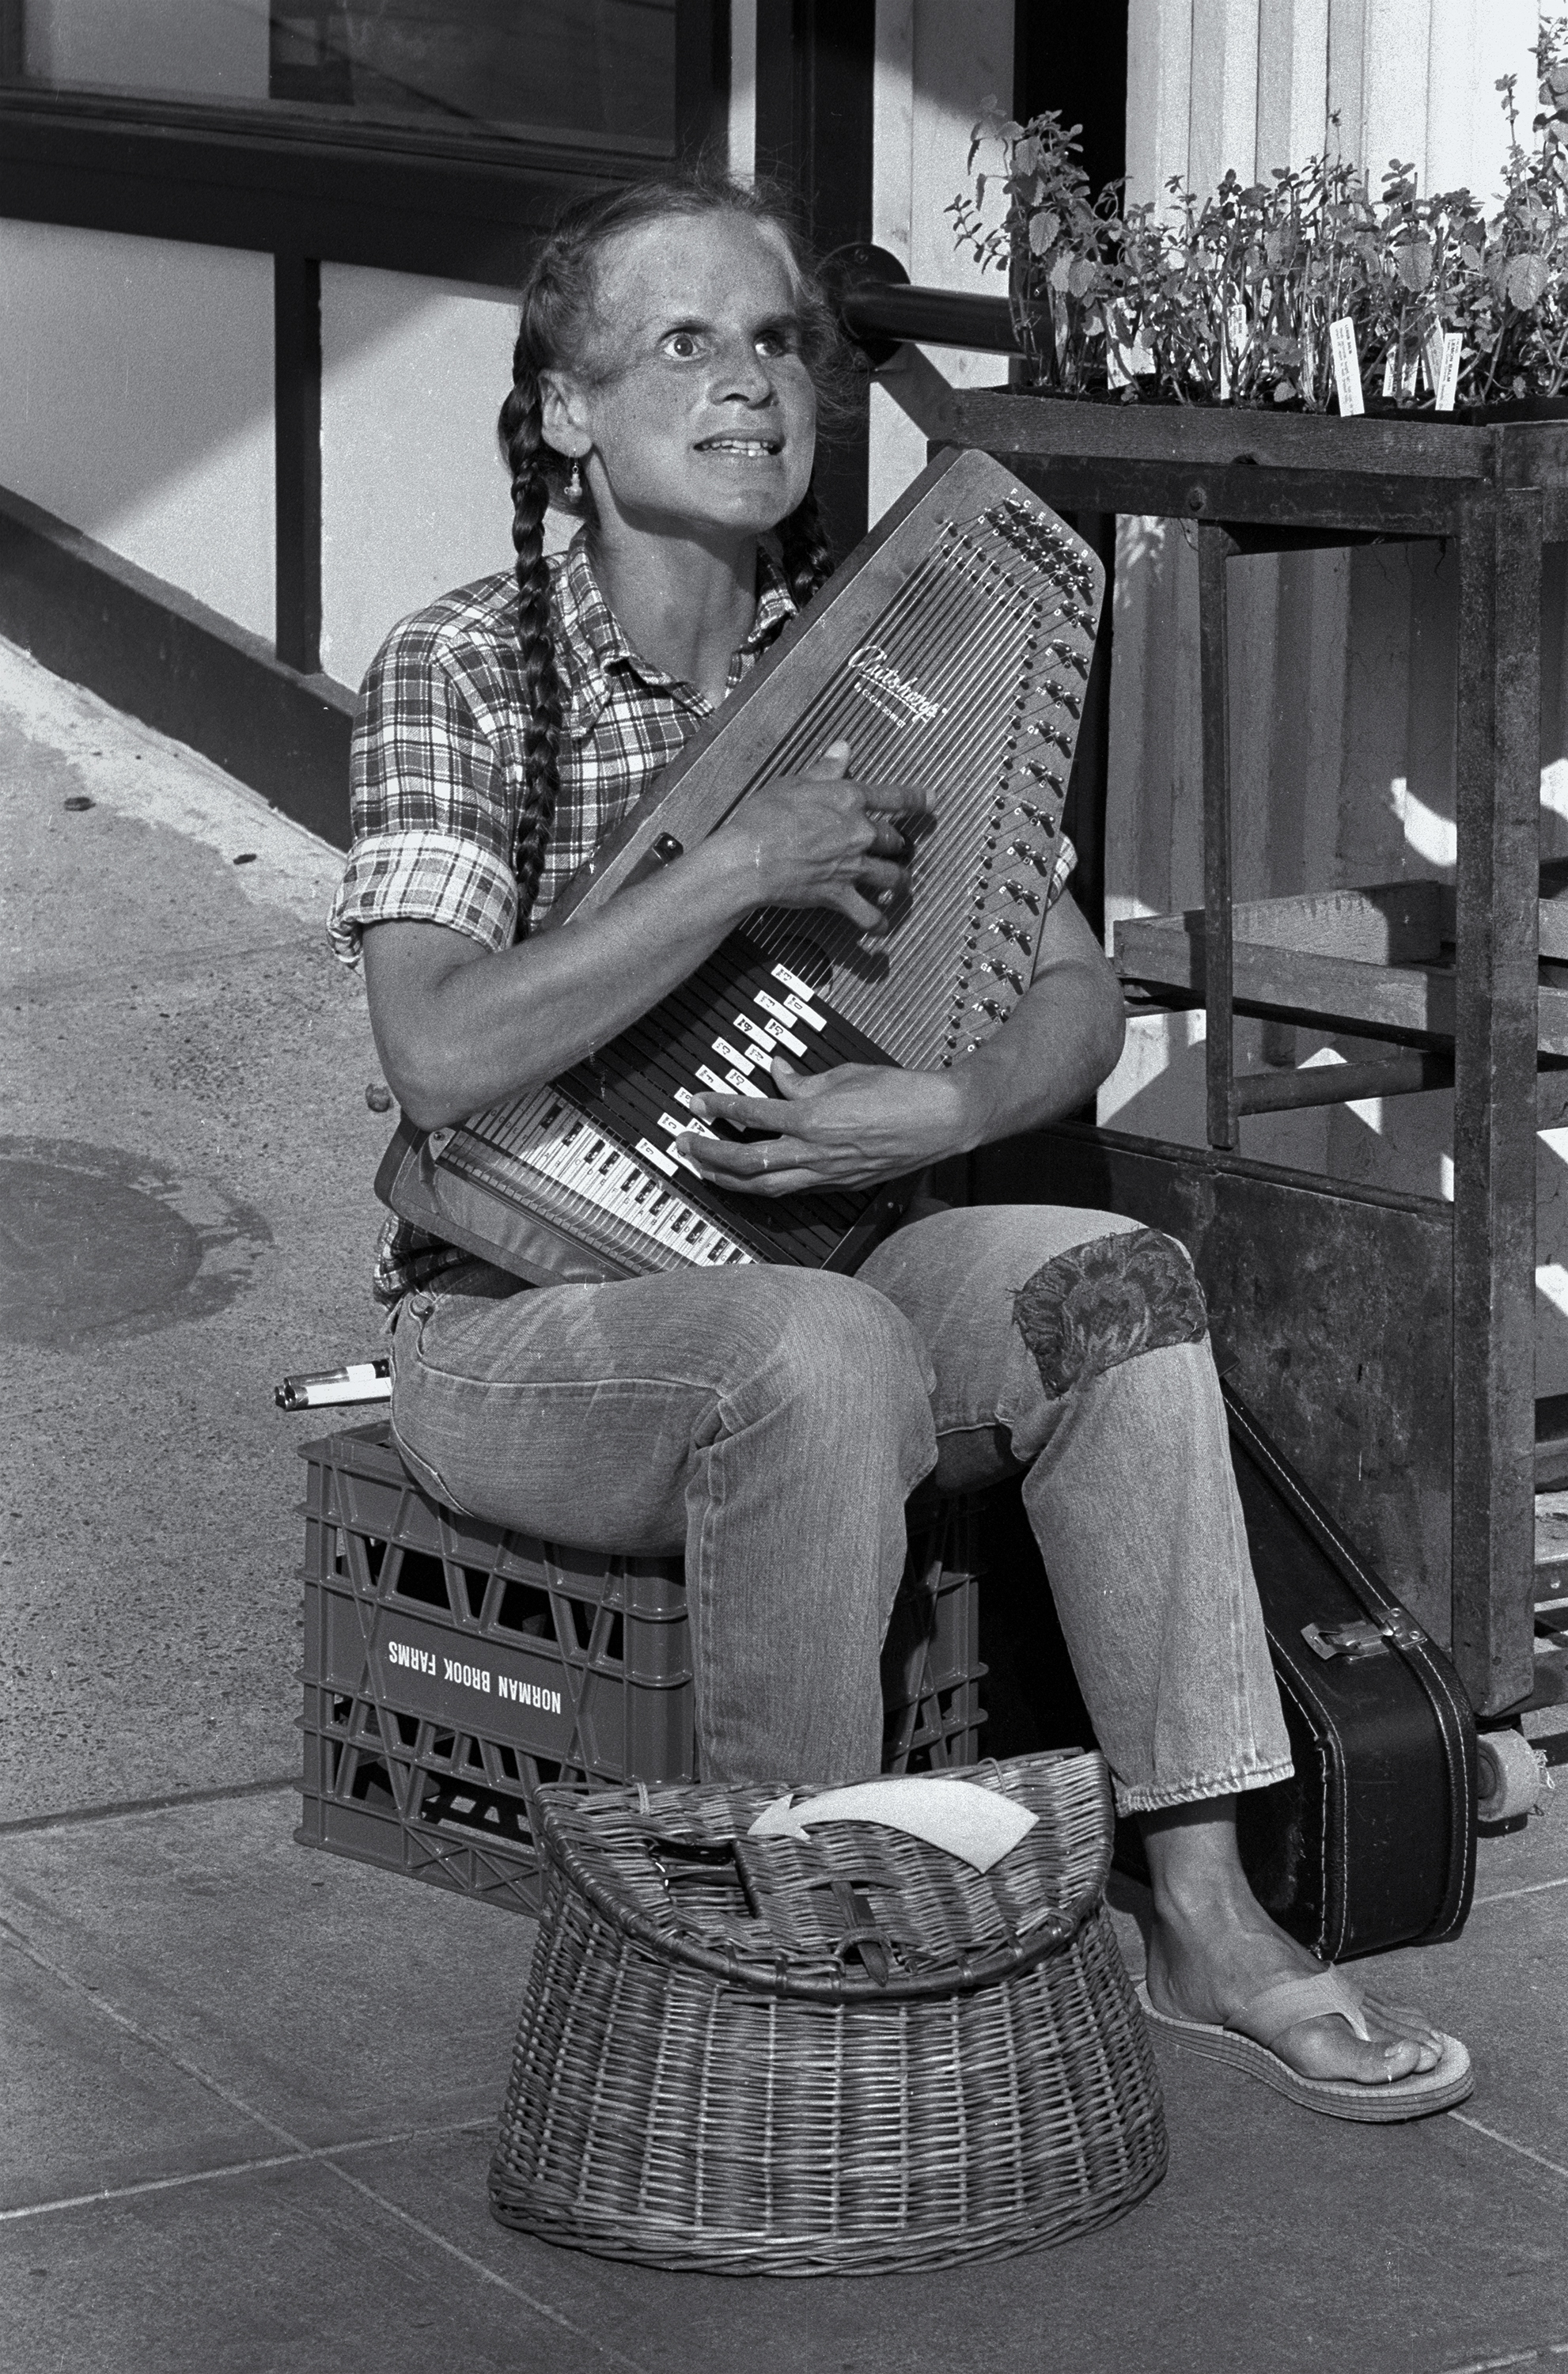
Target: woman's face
699,412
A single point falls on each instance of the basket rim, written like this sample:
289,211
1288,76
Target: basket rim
1055,1932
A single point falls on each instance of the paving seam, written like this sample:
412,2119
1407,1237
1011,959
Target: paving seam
1520,2357
115,1813
297,2146
1553,2167
238,2168
1507,1895
34,988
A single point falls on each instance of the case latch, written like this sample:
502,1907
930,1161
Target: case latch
1364,1637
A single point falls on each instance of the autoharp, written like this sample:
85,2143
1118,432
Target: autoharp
952,651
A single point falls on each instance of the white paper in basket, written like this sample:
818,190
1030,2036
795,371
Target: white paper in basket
980,1826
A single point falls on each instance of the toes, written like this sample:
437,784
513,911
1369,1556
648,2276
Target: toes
1396,2023
1401,2059
1329,2048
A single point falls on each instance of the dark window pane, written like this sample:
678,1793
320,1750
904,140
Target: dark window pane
604,70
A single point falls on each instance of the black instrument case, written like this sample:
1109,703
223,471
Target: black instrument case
1372,1843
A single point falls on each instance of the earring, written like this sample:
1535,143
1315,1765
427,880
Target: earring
574,481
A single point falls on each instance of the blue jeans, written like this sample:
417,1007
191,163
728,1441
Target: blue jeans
770,1424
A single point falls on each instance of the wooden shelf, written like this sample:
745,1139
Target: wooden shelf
1409,1004
1253,481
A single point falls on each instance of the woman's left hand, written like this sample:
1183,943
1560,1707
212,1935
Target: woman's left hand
845,1128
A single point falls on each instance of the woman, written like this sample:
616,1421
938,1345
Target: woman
771,1422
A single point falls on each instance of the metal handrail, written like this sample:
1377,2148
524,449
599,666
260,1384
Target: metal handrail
879,309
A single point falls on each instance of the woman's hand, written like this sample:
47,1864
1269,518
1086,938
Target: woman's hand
845,1128
819,840
868,1121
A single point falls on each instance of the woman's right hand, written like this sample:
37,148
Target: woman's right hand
821,840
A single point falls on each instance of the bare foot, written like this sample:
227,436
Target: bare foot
1212,1948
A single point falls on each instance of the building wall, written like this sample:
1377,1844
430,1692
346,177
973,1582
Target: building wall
413,496
135,402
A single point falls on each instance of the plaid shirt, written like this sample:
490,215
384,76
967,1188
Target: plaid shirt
438,777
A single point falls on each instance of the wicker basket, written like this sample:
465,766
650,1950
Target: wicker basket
842,2054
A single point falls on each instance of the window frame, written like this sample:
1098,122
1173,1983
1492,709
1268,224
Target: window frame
400,198
442,204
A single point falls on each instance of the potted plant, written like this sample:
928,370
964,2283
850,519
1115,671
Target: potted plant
1233,297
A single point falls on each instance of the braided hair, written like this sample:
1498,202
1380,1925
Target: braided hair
555,332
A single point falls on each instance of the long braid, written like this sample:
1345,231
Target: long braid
804,550
523,442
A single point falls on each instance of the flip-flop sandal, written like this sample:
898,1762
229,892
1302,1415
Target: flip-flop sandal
1284,2005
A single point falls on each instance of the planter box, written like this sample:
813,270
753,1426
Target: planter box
1370,475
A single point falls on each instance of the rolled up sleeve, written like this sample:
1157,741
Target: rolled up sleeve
434,815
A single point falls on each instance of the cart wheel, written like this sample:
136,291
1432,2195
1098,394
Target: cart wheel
1511,1777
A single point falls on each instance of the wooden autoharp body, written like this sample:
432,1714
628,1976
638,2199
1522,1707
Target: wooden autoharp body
952,651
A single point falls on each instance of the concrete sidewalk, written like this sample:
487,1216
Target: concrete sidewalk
248,2090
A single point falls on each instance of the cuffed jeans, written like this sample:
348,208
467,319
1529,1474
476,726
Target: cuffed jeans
770,1424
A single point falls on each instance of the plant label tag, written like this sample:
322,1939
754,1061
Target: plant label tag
1347,365
1231,344
1448,379
1432,352
1388,372
1410,378
1128,355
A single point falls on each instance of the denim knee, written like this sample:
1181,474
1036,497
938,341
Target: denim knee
845,1359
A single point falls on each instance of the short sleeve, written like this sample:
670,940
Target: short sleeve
433,813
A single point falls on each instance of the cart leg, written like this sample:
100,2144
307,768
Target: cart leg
1214,549
1495,1065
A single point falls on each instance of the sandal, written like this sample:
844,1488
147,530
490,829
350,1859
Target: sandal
1278,2008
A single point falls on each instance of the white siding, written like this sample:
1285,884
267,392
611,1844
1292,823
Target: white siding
136,403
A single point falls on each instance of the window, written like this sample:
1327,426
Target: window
583,71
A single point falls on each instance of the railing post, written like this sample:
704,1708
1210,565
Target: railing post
1214,548
297,410
1498,819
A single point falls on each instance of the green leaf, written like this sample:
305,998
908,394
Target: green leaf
1526,282
1082,275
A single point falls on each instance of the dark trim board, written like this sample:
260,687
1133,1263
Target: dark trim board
165,658
816,62
468,211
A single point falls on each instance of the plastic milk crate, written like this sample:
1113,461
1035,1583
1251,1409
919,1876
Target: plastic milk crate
450,1668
